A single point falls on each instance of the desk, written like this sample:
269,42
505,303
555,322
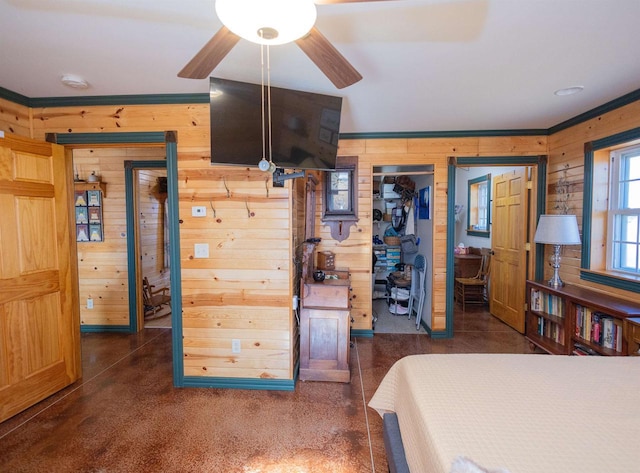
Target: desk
466,266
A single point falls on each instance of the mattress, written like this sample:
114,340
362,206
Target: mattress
520,413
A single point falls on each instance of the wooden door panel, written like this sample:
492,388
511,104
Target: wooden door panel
508,261
39,312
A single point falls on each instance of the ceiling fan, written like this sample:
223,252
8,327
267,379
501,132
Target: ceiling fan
266,30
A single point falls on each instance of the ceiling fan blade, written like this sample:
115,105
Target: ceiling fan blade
328,59
210,55
332,2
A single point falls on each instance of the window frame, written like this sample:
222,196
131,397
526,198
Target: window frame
474,206
587,273
617,157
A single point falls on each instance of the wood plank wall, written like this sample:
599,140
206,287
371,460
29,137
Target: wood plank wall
15,118
355,252
102,266
234,295
566,164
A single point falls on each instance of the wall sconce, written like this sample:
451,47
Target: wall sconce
557,230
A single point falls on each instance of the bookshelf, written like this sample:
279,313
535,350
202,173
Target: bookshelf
579,321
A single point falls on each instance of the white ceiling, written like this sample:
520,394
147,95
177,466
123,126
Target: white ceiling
428,65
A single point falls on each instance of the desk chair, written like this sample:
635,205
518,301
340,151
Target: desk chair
474,290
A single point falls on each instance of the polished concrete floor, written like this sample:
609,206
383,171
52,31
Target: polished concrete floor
124,415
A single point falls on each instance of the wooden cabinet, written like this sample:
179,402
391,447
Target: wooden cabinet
579,321
466,266
325,325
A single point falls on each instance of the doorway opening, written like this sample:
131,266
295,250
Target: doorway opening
511,259
402,272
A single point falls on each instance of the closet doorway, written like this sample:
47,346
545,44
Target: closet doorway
401,278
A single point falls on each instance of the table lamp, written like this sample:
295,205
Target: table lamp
557,230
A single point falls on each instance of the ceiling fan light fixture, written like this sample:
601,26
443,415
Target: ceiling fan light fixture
267,21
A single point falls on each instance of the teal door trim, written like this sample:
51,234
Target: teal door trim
538,161
167,139
132,261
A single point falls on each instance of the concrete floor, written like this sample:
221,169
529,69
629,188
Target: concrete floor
124,415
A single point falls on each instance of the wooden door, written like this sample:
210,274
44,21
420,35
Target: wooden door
508,271
39,311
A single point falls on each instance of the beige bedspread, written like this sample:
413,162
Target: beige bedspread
524,413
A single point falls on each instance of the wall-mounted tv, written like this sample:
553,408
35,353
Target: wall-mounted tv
304,125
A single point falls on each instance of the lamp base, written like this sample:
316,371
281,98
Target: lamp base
554,262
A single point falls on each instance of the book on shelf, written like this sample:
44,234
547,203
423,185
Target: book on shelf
546,302
598,328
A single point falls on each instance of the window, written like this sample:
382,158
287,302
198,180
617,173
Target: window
479,199
611,213
624,211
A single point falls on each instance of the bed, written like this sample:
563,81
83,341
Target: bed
514,413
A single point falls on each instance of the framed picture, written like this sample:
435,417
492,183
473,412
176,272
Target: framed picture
81,215
424,203
95,232
80,198
93,198
82,232
95,215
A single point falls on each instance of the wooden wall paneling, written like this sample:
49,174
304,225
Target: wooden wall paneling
108,290
15,118
244,290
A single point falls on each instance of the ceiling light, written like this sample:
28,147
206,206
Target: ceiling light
267,21
74,81
569,90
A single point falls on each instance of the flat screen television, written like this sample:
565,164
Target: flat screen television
304,125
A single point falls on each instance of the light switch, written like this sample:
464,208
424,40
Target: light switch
201,250
199,211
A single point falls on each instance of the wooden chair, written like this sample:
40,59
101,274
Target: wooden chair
154,299
474,290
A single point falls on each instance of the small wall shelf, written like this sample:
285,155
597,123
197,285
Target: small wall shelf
91,186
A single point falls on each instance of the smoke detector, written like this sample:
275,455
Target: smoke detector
74,81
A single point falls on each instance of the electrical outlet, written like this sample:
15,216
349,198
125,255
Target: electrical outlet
89,303
235,345
201,250
199,211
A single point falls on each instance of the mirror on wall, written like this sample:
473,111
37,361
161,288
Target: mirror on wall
479,205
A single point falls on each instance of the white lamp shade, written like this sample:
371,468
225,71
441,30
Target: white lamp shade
291,19
557,230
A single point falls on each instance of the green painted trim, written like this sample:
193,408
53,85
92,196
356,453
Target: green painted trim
116,100
174,262
104,328
203,98
541,201
498,161
239,383
14,97
595,112
587,208
451,225
362,333
109,138
129,168
440,134
624,284
440,335
477,233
